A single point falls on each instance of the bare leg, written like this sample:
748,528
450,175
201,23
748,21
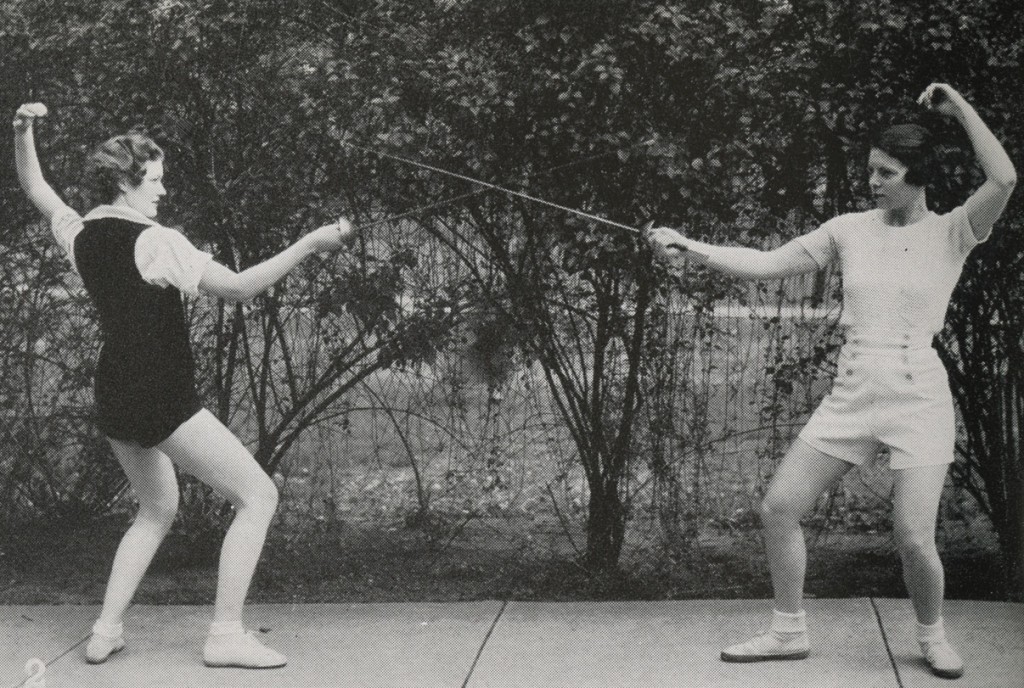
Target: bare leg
152,478
915,509
804,474
155,486
203,447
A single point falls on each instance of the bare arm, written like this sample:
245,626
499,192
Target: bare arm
747,263
30,174
987,203
219,280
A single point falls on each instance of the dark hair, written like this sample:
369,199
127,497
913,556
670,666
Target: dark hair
119,159
911,144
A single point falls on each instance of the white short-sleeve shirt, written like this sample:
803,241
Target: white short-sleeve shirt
895,278
163,256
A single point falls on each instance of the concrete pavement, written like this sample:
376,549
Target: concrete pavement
855,643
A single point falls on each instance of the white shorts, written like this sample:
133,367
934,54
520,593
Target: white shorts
892,393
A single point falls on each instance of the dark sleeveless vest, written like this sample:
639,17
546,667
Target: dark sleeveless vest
145,380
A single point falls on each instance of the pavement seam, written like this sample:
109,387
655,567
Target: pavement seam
483,644
885,641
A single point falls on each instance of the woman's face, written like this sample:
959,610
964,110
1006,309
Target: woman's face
886,177
146,196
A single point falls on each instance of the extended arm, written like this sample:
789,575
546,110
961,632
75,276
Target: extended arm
987,203
747,263
227,284
30,174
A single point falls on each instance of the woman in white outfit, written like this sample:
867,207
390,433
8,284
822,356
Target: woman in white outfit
135,272
900,263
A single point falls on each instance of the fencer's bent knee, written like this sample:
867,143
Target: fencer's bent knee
262,496
914,540
269,495
160,511
777,511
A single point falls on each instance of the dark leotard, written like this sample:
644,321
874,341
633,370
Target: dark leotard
145,380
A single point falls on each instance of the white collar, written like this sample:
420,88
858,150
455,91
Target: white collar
119,212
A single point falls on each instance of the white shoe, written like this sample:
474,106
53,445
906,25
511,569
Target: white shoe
100,647
942,659
241,650
769,646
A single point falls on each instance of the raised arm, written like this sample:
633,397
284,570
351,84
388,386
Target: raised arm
227,284
747,263
30,174
987,203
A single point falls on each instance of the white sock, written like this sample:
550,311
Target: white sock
108,629
784,623
226,628
931,634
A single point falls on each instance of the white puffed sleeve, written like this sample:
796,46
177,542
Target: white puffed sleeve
65,225
165,258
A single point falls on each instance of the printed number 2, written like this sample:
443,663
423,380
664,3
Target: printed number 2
35,668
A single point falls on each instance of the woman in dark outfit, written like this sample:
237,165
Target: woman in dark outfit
136,271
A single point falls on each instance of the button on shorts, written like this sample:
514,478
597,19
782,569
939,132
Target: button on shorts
894,397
